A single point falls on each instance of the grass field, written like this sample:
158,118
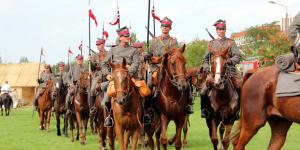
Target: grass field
20,132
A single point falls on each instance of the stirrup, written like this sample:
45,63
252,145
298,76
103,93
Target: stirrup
147,119
93,110
108,122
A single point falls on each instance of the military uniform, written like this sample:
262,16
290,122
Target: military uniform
97,76
44,77
139,48
72,78
116,55
234,58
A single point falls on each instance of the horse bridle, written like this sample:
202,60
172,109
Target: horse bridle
171,75
127,92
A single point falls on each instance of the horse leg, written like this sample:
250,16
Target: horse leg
66,117
226,140
120,135
41,114
126,139
80,127
135,137
179,124
57,124
164,124
185,130
150,139
279,128
48,120
72,126
111,139
214,137
157,138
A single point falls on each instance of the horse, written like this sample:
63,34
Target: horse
44,106
126,106
59,97
81,106
6,101
259,105
173,95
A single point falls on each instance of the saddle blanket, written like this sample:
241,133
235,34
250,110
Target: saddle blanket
288,84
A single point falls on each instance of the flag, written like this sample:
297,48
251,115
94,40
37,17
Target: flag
153,14
91,15
70,52
80,46
105,34
116,19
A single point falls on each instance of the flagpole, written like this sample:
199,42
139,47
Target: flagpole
40,62
103,30
153,22
148,24
119,23
90,75
69,59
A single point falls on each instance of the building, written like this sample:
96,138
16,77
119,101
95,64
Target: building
21,77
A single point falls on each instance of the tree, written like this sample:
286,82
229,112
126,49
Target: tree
24,59
133,37
195,52
266,42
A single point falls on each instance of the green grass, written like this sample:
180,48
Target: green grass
20,132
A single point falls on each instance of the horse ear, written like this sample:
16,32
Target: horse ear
111,64
124,62
182,48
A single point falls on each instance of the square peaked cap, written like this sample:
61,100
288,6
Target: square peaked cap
220,23
47,66
138,45
61,64
100,41
124,31
79,57
166,22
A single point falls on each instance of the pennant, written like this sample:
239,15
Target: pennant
91,15
70,52
105,33
116,19
153,14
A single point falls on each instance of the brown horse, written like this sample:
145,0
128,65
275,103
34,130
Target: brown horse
259,105
223,100
126,106
173,97
59,97
81,105
44,106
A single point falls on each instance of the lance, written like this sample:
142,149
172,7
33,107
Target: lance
90,70
210,35
153,22
119,23
38,76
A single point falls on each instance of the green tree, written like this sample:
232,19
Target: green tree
23,59
195,52
266,42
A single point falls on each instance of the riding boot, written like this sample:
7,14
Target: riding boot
189,107
148,110
108,122
68,104
93,108
204,110
36,103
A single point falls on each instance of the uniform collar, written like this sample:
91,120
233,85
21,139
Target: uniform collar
165,38
221,38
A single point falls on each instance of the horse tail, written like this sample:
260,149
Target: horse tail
235,133
248,74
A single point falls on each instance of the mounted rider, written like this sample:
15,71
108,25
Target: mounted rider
116,55
97,75
72,78
158,47
44,77
139,48
61,74
222,42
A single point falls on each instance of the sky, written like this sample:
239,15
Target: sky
57,25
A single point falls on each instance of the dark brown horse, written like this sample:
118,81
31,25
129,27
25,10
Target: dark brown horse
6,101
59,97
259,105
126,106
173,97
44,106
223,100
81,106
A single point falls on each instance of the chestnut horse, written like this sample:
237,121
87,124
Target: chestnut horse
81,106
259,105
173,96
223,100
126,105
44,106
59,97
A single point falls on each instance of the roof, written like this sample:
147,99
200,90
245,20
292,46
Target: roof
19,75
238,35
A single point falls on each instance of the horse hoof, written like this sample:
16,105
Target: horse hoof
184,143
170,141
72,140
83,142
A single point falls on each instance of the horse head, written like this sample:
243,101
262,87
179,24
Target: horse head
84,82
121,79
174,65
218,68
58,86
